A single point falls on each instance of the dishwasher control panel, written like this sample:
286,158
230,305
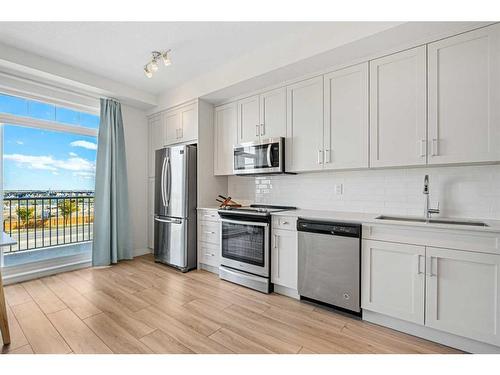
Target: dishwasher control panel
333,228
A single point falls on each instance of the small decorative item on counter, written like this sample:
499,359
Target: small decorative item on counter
226,202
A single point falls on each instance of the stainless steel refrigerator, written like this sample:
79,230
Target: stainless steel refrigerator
175,207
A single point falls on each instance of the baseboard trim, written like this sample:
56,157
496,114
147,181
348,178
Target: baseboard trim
35,270
139,252
448,339
289,292
209,268
17,277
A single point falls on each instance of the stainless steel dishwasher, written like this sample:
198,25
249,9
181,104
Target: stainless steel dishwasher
329,263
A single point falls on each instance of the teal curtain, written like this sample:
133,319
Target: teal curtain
112,241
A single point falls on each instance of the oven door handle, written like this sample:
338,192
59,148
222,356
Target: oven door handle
254,223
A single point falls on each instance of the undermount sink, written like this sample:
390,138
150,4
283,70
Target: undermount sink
432,221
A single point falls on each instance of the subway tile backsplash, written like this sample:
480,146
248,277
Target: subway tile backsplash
465,191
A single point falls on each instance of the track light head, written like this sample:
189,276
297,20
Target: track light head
166,58
147,71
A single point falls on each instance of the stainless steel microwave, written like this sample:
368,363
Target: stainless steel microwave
265,156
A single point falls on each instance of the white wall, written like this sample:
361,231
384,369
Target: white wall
136,143
465,191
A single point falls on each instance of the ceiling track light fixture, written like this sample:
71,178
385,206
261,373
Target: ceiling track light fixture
152,66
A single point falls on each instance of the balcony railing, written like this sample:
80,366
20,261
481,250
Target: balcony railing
48,221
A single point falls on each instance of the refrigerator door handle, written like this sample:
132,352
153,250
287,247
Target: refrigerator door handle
169,181
170,221
162,182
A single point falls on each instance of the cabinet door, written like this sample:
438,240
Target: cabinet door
284,252
172,124
188,117
398,109
273,113
225,138
156,141
464,97
393,279
346,118
463,293
304,144
151,212
248,120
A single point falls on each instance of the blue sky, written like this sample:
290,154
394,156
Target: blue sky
36,159
40,159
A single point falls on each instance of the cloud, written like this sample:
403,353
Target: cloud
85,175
72,154
50,164
20,142
84,144
55,173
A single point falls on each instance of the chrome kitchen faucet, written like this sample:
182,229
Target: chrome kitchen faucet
428,211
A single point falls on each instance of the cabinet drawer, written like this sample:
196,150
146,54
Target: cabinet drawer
485,242
209,254
208,215
285,222
209,232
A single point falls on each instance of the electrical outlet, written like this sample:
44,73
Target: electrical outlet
339,189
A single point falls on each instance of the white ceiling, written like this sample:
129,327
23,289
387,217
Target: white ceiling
119,50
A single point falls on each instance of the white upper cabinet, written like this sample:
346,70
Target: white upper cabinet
393,279
172,124
156,141
346,118
181,124
273,113
262,116
463,293
398,109
464,97
304,143
189,123
248,119
225,137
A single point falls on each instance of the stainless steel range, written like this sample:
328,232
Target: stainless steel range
245,243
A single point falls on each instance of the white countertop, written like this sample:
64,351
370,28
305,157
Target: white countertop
365,218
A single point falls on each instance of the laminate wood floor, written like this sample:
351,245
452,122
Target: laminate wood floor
139,306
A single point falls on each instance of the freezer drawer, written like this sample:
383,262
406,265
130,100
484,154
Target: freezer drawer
171,241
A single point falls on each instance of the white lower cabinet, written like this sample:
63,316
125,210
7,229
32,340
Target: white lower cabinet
208,237
453,291
393,279
463,293
284,253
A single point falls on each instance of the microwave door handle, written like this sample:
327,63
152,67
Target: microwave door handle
162,182
269,161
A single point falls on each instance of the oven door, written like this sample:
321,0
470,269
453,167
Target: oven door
245,246
259,157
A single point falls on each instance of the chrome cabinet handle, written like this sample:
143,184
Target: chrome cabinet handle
257,130
435,147
423,143
419,272
431,274
262,129
208,232
327,156
320,158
